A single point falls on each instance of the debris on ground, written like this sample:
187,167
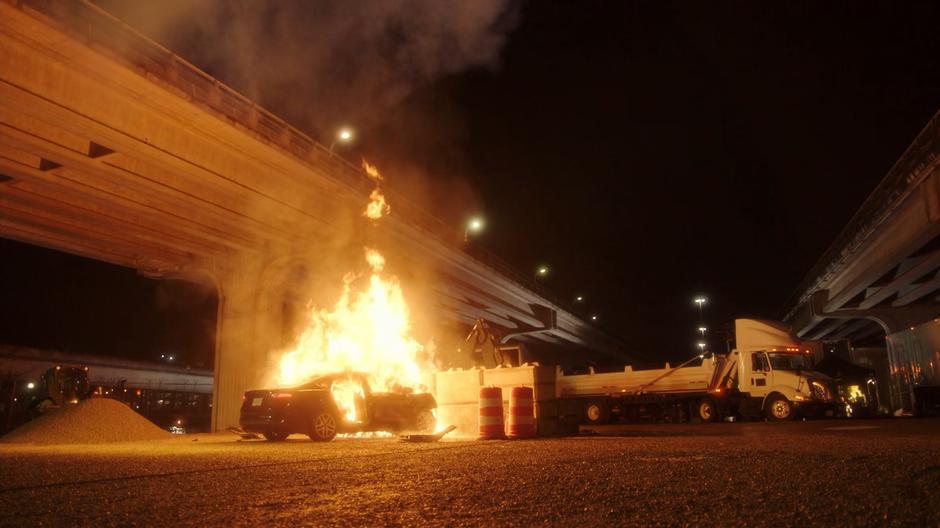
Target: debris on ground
92,421
427,437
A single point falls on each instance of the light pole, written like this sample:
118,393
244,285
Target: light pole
343,135
474,226
700,301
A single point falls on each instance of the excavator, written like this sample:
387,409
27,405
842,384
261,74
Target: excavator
61,385
487,350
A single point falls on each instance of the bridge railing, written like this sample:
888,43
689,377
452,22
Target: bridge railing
113,38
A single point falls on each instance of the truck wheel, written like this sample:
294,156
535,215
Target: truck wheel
274,436
425,422
779,409
705,411
596,412
323,427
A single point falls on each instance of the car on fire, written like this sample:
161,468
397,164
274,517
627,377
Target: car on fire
313,409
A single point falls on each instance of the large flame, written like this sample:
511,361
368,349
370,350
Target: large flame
367,331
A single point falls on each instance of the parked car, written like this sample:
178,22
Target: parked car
312,409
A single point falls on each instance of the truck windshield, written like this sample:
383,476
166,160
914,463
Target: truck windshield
789,361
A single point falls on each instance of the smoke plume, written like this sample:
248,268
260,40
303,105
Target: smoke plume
326,62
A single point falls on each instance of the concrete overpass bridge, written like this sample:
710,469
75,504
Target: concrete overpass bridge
879,281
114,148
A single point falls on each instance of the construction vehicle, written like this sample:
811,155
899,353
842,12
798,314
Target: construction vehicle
61,385
488,348
767,374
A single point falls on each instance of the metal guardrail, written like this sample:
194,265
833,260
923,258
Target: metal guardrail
903,177
107,34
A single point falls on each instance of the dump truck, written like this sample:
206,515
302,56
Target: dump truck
768,374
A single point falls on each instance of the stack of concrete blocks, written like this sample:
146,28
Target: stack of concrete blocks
458,391
458,400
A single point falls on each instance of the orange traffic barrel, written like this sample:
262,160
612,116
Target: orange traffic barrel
491,413
521,413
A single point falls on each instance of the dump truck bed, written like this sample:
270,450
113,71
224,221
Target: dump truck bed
697,378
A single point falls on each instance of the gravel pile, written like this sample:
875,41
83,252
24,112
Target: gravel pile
93,421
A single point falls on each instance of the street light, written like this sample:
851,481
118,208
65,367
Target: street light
594,318
343,135
701,346
579,298
474,225
541,271
702,330
700,301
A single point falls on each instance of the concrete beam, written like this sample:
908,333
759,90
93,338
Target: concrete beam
923,266
909,229
918,292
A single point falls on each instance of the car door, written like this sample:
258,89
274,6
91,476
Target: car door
760,374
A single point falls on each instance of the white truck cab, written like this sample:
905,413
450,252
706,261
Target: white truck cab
772,374
767,374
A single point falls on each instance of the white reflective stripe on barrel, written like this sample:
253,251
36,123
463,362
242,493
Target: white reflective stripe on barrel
522,403
491,402
491,420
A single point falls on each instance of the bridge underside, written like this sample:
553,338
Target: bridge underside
882,274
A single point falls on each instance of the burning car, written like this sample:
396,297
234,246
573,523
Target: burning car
332,404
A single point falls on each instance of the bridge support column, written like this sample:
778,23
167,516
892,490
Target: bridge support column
239,357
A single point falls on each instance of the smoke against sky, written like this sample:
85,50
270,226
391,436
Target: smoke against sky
328,63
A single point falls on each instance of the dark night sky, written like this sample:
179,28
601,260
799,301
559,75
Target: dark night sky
652,151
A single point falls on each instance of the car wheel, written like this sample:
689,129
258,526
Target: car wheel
779,409
275,436
323,427
425,422
705,411
596,412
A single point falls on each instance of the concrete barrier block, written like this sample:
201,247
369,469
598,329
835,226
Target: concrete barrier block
458,386
541,379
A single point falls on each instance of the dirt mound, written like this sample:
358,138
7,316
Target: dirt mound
93,421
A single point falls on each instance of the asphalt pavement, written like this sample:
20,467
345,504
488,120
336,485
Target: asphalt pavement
832,473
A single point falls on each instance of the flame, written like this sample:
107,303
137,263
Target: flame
346,394
377,207
367,331
371,170
375,259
